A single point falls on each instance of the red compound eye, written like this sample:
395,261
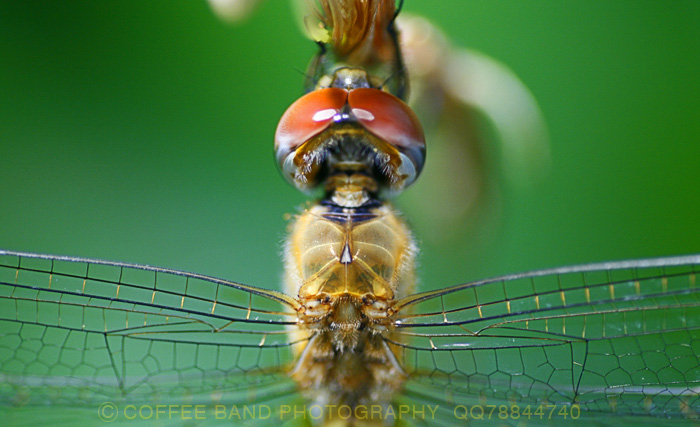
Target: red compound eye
388,117
307,117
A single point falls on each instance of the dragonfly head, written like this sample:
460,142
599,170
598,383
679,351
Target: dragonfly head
347,128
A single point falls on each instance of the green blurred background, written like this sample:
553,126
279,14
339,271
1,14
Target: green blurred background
141,131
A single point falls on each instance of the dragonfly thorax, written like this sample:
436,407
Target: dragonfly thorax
344,319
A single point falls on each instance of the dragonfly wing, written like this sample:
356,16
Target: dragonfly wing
76,331
616,337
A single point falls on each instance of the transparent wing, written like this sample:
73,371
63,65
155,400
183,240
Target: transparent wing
616,337
79,331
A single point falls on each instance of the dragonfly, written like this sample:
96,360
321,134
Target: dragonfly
597,340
